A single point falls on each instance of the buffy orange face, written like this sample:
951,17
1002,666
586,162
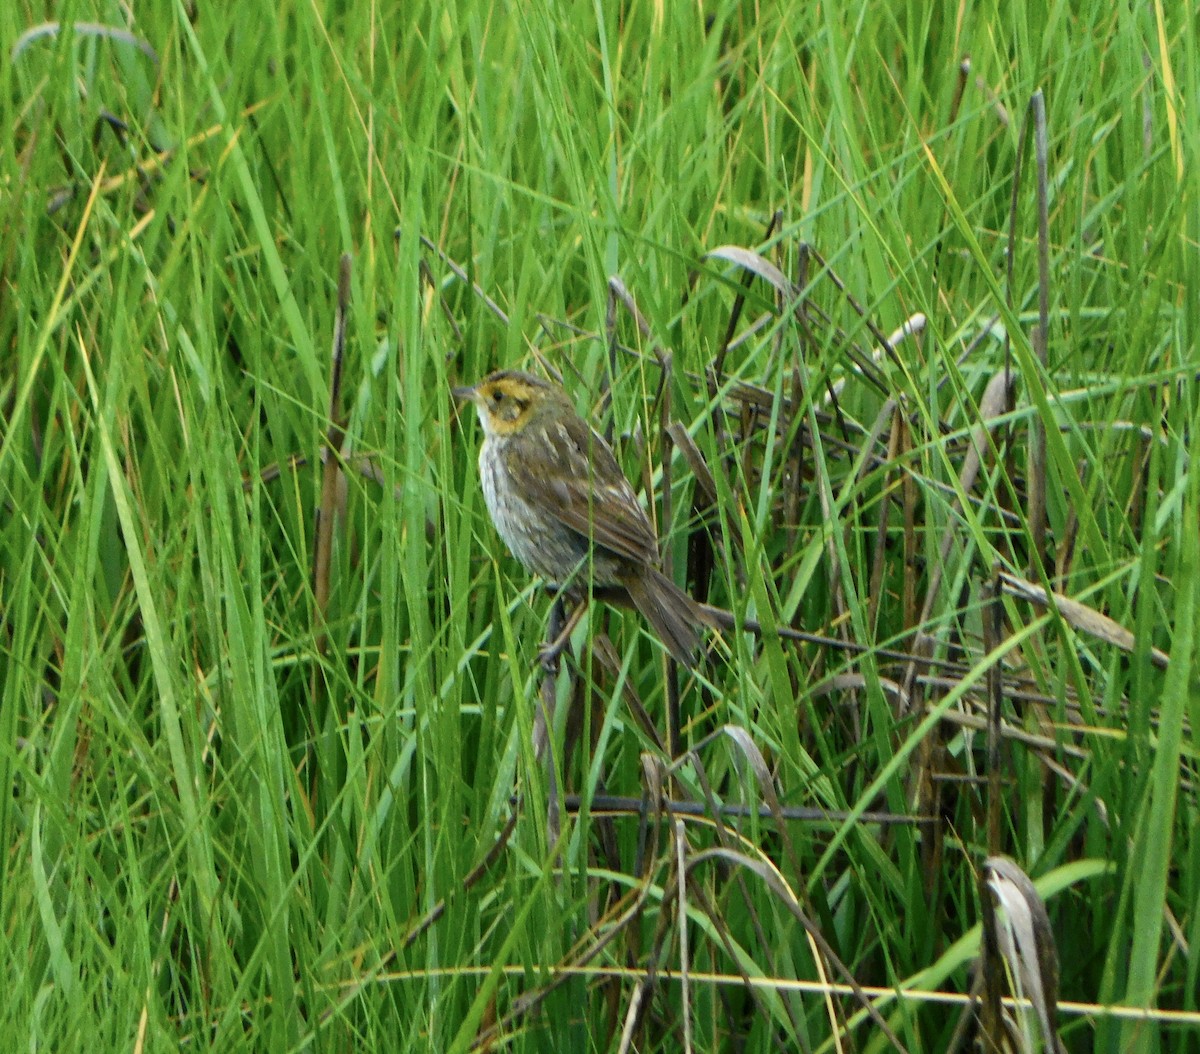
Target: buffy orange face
507,399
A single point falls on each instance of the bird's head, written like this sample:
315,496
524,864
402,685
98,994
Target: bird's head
508,400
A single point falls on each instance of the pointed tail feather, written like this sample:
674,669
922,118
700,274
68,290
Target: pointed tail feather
672,614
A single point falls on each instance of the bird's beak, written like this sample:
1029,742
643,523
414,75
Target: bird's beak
462,394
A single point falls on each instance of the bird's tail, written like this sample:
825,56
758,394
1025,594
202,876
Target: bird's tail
673,615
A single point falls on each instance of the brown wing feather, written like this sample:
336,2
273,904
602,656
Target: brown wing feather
576,478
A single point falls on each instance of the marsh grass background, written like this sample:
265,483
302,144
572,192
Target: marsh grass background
219,834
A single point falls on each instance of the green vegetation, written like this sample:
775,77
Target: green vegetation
226,814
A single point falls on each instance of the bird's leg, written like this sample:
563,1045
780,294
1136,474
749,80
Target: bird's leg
558,634
548,654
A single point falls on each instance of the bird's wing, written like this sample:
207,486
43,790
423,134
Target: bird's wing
575,478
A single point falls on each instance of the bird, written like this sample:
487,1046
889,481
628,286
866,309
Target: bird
562,505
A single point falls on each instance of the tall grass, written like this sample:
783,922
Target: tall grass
234,820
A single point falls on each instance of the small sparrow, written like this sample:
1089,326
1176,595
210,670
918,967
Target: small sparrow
564,507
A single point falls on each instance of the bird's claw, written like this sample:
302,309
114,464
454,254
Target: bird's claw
550,652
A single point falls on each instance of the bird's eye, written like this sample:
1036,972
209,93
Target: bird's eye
497,396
